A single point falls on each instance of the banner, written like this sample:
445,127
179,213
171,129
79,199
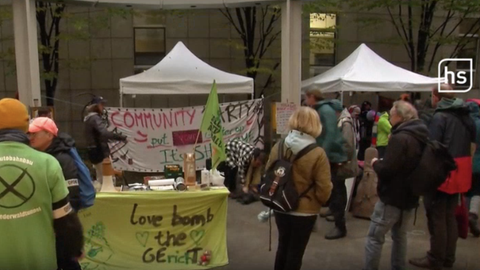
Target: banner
283,111
136,230
157,137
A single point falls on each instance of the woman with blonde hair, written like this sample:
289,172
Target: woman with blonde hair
310,174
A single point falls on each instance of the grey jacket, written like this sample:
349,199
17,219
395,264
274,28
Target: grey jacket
97,134
345,124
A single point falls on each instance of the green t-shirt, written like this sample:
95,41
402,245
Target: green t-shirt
30,182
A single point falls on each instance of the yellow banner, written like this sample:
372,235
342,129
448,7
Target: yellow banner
155,230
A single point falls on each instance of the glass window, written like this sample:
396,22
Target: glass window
149,45
322,39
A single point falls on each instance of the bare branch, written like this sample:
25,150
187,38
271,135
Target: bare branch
402,24
229,17
404,42
270,42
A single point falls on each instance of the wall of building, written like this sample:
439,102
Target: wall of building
109,55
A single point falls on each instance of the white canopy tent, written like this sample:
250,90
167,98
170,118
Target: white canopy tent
366,71
182,73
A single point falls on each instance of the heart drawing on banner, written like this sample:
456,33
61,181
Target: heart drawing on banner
142,238
197,236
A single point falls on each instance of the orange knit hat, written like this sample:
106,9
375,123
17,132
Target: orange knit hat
13,115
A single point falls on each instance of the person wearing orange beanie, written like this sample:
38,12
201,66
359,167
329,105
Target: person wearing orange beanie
13,115
34,205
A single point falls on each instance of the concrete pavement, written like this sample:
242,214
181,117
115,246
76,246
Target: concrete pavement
248,243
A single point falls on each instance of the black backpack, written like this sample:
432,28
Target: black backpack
278,190
433,169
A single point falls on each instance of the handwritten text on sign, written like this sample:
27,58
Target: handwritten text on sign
161,136
142,232
283,113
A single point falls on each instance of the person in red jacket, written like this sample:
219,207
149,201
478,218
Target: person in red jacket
452,126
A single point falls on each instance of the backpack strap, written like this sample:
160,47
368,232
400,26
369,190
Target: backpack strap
305,151
280,149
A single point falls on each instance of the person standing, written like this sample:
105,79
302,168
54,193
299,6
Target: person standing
338,200
474,193
384,128
354,111
452,126
312,169
34,205
331,139
97,136
366,129
44,137
394,209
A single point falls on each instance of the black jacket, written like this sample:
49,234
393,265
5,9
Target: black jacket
402,155
97,134
60,149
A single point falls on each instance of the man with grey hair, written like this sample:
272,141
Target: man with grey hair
394,209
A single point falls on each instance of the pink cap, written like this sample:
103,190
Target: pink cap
43,123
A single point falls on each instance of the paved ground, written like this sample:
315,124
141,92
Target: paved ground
248,244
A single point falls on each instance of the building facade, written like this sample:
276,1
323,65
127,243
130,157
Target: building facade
134,42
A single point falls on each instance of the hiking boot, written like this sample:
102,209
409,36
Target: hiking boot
424,263
326,214
473,223
336,233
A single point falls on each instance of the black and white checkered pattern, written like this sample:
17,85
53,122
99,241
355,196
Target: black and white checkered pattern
239,154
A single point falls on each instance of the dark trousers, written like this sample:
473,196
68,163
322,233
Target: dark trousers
364,144
230,176
338,202
381,151
442,225
293,235
63,262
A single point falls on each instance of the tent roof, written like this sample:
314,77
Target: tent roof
366,71
181,72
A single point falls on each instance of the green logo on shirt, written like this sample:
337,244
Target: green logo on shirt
16,186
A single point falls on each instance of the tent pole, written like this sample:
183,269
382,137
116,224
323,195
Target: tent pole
341,97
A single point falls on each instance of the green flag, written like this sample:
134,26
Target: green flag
212,122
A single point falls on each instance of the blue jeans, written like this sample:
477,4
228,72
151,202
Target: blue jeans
386,218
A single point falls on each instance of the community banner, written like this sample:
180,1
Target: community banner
136,230
157,137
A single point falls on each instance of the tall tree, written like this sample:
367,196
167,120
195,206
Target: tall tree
248,22
425,26
50,17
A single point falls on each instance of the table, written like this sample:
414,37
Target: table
155,230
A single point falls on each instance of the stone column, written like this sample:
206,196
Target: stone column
26,52
291,51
